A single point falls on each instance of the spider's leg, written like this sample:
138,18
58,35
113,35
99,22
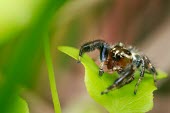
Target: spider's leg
150,68
130,80
102,46
126,77
91,46
141,75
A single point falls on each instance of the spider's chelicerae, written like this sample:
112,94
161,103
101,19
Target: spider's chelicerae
122,59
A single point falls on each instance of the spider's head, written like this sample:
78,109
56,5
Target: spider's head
119,56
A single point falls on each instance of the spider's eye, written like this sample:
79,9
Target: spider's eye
116,57
127,52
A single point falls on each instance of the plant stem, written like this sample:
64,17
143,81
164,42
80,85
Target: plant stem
51,76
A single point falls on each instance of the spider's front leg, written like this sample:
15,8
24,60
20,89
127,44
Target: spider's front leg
101,45
127,76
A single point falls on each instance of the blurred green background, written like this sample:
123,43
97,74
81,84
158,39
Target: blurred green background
24,25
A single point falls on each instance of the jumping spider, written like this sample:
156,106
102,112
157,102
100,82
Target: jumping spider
122,59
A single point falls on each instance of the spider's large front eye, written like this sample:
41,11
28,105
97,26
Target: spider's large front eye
116,57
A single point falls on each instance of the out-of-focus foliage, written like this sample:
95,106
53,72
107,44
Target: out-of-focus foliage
81,105
16,16
51,75
20,59
120,100
19,106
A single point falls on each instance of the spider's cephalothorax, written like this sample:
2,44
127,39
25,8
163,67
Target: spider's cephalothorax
122,59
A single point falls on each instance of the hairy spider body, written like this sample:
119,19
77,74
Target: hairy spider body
122,59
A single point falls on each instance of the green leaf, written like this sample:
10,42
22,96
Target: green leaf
120,100
19,106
